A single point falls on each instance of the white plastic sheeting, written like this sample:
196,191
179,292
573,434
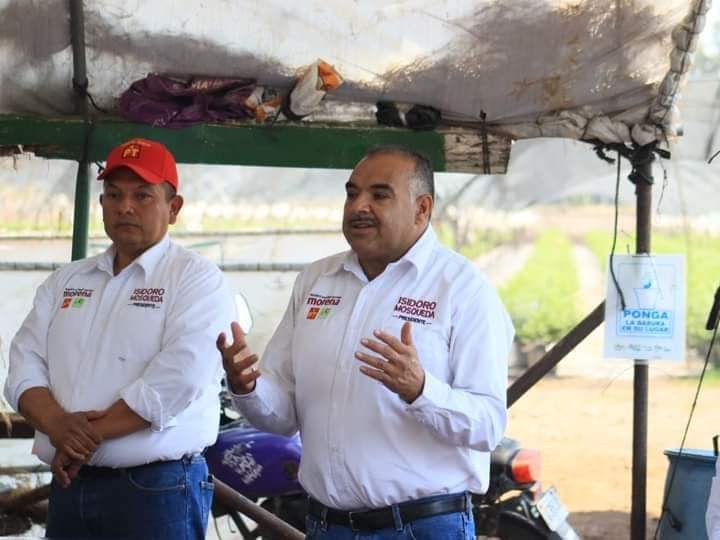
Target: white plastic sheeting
592,69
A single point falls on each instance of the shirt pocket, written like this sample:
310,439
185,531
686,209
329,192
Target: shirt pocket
431,344
137,333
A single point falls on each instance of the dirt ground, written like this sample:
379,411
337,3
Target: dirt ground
583,427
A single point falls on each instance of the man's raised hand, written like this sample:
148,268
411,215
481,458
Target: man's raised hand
238,361
397,366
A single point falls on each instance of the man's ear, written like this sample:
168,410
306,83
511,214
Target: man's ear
176,205
424,208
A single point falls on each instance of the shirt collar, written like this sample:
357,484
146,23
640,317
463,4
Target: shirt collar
147,261
418,255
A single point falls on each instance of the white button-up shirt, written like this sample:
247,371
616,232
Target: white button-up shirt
146,335
363,446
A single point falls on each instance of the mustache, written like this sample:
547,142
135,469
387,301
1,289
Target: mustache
361,219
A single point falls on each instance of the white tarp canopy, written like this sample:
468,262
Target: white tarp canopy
583,69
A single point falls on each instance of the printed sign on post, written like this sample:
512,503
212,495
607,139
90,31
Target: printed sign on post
652,324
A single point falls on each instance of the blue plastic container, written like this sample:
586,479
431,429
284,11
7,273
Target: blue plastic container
689,494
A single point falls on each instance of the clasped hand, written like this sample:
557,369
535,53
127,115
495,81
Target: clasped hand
75,439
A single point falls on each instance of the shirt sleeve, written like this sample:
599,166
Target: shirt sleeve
28,350
712,516
188,363
271,405
470,409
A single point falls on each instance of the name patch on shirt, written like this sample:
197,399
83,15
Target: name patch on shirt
320,306
75,297
150,298
415,310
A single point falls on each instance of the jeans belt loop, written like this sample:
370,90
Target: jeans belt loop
397,518
323,517
350,521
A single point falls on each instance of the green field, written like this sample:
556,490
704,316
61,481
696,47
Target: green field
542,297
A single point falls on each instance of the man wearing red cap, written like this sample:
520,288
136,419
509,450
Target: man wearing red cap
115,366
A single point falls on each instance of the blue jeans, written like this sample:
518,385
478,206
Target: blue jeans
165,500
455,526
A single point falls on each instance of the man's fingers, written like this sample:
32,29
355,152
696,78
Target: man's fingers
243,355
228,351
250,376
382,349
240,362
94,415
238,334
406,334
59,473
242,383
374,361
73,470
391,341
232,355
377,375
83,444
220,342
95,437
84,436
73,452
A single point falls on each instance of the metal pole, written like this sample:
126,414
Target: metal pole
82,185
229,499
640,382
550,359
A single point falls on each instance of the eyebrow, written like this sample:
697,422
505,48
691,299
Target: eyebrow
381,187
144,185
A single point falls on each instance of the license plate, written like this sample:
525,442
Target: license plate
552,509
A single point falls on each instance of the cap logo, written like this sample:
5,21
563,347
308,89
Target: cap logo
131,151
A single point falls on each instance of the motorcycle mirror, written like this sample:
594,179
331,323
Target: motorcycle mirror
244,317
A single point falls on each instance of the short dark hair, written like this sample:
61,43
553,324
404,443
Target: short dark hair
423,181
170,190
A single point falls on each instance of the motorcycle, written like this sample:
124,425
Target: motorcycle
264,467
515,506
260,466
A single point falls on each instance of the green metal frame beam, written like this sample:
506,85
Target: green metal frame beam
279,145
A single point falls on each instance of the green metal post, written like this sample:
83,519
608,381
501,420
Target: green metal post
82,185
81,218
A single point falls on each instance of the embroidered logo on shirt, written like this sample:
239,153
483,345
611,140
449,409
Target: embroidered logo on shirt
70,292
321,300
415,310
75,297
321,306
150,298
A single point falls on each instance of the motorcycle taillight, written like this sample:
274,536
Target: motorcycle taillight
525,466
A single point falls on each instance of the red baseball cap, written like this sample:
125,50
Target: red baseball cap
150,160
